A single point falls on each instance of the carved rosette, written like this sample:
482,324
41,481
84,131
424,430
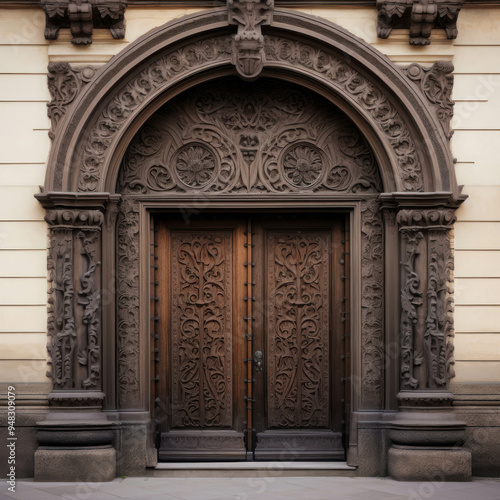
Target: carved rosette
426,328
74,306
65,83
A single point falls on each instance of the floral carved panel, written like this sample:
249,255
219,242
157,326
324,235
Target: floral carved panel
201,329
234,137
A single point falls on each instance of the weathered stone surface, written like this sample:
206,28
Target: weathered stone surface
445,464
86,465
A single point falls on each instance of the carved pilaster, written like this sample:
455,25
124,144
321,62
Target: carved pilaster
65,83
248,53
82,16
74,319
436,83
426,327
419,16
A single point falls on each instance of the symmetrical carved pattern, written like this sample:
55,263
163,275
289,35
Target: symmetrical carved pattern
372,305
426,342
248,53
436,83
127,285
82,16
201,328
278,50
420,16
260,138
74,243
298,349
65,83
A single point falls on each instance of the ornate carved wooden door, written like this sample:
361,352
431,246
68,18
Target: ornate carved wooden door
250,338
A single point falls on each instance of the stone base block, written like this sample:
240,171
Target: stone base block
75,465
429,464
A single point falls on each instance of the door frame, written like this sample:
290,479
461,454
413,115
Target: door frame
351,206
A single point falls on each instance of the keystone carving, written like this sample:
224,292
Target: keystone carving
419,16
436,83
426,329
248,54
65,83
82,16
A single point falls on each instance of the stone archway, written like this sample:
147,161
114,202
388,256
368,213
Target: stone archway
419,194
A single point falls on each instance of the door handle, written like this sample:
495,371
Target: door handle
257,361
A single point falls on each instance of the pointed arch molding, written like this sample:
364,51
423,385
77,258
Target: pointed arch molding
392,112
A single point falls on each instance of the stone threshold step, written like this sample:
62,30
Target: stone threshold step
276,465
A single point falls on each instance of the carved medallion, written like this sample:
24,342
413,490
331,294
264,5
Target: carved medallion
302,165
195,166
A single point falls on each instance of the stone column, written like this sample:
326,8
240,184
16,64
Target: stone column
75,439
426,437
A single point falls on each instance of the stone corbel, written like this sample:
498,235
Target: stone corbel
419,16
82,16
248,53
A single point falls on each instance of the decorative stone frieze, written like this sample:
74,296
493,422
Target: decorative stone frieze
436,83
82,16
65,83
419,16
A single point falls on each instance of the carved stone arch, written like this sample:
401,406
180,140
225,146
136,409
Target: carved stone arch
100,228
406,137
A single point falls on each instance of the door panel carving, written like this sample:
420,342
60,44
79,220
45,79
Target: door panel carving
201,328
298,329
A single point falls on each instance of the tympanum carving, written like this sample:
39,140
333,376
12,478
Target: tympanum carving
265,138
65,83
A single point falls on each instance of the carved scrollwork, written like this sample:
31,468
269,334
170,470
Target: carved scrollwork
74,218
128,304
263,138
202,328
427,218
65,83
372,304
299,362
436,83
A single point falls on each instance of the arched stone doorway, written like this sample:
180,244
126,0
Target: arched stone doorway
100,209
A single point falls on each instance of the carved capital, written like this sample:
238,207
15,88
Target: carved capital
82,16
74,218
436,83
248,53
65,83
419,16
430,219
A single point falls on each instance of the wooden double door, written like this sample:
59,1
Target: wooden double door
249,349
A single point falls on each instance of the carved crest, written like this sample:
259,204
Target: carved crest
248,53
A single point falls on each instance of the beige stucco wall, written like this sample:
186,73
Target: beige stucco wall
24,56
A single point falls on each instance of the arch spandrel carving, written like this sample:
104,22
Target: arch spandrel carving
395,118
